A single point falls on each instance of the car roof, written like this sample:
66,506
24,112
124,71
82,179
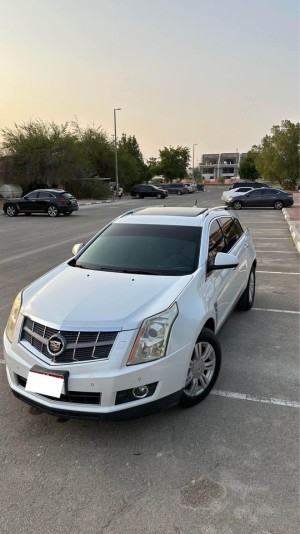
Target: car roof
49,190
177,216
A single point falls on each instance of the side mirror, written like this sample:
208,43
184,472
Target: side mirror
223,261
77,248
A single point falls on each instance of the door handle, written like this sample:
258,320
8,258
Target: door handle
246,245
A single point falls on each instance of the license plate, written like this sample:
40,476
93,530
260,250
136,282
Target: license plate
45,382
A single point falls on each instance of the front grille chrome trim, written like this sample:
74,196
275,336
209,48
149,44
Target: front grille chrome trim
96,345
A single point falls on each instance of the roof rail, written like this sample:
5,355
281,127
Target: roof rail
138,209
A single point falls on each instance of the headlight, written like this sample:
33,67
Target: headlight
12,320
152,339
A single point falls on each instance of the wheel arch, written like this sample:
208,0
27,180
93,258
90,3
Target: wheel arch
210,324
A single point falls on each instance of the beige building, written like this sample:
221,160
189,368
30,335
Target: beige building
216,166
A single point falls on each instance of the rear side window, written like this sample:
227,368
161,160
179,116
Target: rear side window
232,230
65,195
216,241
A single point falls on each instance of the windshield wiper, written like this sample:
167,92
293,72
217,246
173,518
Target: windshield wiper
128,271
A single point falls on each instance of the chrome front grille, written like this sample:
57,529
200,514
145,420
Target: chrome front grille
81,346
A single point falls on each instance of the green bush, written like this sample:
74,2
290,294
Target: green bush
88,189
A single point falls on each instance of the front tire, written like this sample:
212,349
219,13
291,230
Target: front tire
203,369
159,195
137,195
247,299
11,210
237,205
278,205
53,211
179,192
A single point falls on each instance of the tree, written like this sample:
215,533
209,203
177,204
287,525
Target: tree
132,168
247,168
42,153
174,162
277,156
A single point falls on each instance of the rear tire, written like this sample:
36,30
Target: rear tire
53,211
203,369
11,210
237,205
247,299
278,205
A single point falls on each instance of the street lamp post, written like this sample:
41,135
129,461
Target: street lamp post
195,144
116,152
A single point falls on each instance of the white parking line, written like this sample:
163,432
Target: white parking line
275,311
244,396
276,272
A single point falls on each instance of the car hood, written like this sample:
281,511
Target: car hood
73,297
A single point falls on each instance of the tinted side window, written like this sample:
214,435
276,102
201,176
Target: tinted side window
232,231
216,241
32,195
45,194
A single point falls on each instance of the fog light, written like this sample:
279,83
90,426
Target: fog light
140,392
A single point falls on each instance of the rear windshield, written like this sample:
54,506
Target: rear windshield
144,249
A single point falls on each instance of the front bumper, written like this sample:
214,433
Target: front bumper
107,379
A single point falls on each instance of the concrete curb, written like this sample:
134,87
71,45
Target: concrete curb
94,202
294,232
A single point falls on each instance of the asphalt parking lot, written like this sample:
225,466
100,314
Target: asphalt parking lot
227,466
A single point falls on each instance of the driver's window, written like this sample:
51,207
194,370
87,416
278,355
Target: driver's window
216,241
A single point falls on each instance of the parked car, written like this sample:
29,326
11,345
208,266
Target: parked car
261,198
255,185
50,201
200,187
176,189
192,187
129,325
143,191
235,192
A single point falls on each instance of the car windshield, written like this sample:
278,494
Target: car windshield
143,249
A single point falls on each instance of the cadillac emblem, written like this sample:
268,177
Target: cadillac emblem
56,345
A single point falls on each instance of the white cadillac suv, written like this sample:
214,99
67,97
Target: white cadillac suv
129,324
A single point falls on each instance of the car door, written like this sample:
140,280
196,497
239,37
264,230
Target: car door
236,244
44,200
269,197
253,199
29,202
219,280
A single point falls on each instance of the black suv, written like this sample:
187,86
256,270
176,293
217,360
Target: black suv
141,191
50,201
255,185
177,189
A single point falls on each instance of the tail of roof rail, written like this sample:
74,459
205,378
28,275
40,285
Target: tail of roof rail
216,208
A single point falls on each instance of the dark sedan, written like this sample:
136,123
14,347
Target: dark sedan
261,198
50,201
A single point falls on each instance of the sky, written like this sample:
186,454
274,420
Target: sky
216,74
